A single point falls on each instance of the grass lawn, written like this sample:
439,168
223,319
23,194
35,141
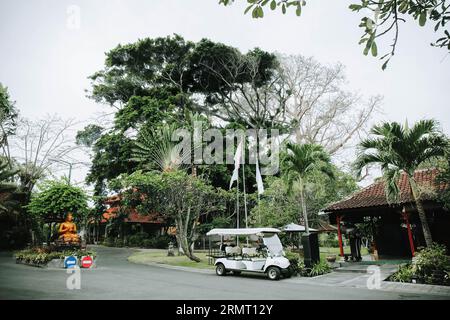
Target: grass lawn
161,257
325,251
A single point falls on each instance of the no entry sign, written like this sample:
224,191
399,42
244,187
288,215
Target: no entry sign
70,262
86,262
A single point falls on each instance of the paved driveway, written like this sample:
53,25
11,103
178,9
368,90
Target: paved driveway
116,278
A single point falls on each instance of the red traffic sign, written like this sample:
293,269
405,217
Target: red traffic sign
86,262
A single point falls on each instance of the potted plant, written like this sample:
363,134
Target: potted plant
331,258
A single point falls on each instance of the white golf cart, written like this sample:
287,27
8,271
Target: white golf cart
266,255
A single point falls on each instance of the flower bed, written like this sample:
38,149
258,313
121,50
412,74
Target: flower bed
40,257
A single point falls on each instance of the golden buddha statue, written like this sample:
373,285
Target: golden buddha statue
68,231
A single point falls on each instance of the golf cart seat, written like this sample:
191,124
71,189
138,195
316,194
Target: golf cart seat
249,252
233,251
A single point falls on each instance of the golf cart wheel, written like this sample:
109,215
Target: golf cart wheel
273,273
220,270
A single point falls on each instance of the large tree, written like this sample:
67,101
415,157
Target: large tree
398,149
155,83
177,196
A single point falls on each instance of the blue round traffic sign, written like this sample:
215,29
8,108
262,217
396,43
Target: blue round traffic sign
70,262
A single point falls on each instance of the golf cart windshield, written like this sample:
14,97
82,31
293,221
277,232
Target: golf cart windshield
273,244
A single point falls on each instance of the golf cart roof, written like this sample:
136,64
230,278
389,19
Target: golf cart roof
242,231
292,227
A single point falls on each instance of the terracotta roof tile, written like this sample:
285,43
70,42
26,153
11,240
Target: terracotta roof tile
374,195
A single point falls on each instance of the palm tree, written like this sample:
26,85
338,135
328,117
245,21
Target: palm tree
299,162
155,147
400,149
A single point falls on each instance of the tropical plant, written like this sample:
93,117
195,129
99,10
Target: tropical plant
300,161
319,268
431,261
401,149
405,273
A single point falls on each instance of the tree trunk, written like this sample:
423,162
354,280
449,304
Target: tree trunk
186,245
303,204
183,240
421,211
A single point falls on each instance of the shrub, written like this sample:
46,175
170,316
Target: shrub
137,240
109,242
147,243
161,242
319,268
294,260
118,242
41,256
431,264
405,273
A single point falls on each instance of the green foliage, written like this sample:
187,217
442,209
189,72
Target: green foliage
176,195
155,83
296,267
405,273
329,240
388,14
401,149
256,7
89,135
430,261
279,205
12,236
218,221
8,116
41,256
7,187
397,148
137,239
112,154
319,268
431,266
57,198
304,169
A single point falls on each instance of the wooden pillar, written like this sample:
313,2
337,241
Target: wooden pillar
408,227
341,248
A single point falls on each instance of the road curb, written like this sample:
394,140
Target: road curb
167,266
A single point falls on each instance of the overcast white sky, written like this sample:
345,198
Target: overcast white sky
45,64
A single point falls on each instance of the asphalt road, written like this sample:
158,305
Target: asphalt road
116,278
